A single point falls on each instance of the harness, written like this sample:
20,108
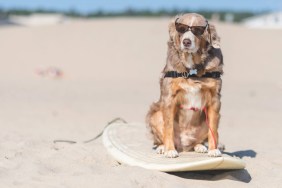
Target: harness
191,74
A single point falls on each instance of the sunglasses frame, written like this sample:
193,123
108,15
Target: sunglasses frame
190,28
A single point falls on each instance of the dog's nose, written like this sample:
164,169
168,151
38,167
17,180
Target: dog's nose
186,42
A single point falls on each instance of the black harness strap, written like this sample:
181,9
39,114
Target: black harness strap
174,74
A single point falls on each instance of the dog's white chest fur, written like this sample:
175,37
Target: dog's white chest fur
189,63
194,97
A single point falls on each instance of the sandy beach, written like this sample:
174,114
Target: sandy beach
110,68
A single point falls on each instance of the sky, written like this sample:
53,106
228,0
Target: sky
85,6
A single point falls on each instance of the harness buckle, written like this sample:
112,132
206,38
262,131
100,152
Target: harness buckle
185,74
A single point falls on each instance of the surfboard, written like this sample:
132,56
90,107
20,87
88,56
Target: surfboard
130,144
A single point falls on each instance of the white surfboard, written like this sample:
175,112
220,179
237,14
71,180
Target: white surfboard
130,144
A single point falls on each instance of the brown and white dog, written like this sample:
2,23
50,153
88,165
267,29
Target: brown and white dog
178,121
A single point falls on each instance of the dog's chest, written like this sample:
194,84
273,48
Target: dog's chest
193,97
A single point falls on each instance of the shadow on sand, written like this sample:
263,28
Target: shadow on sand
244,153
215,175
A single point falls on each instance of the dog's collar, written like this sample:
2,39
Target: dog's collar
191,74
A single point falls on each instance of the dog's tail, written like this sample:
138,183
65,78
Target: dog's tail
151,123
153,109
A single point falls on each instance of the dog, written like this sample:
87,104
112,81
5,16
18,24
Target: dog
188,111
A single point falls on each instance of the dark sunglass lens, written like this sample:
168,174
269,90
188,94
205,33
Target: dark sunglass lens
198,30
181,28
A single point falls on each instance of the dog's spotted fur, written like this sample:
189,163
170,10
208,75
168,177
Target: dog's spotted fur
175,128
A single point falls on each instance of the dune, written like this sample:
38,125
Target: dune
110,68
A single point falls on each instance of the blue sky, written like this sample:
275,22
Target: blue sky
119,5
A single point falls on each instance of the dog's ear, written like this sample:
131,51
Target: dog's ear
173,34
215,39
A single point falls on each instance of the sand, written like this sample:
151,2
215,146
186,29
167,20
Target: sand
111,68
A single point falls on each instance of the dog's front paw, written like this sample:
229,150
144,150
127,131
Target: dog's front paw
160,149
200,148
214,153
171,154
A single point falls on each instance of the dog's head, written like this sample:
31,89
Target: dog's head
191,32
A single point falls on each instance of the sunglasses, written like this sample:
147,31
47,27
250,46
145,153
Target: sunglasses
196,30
